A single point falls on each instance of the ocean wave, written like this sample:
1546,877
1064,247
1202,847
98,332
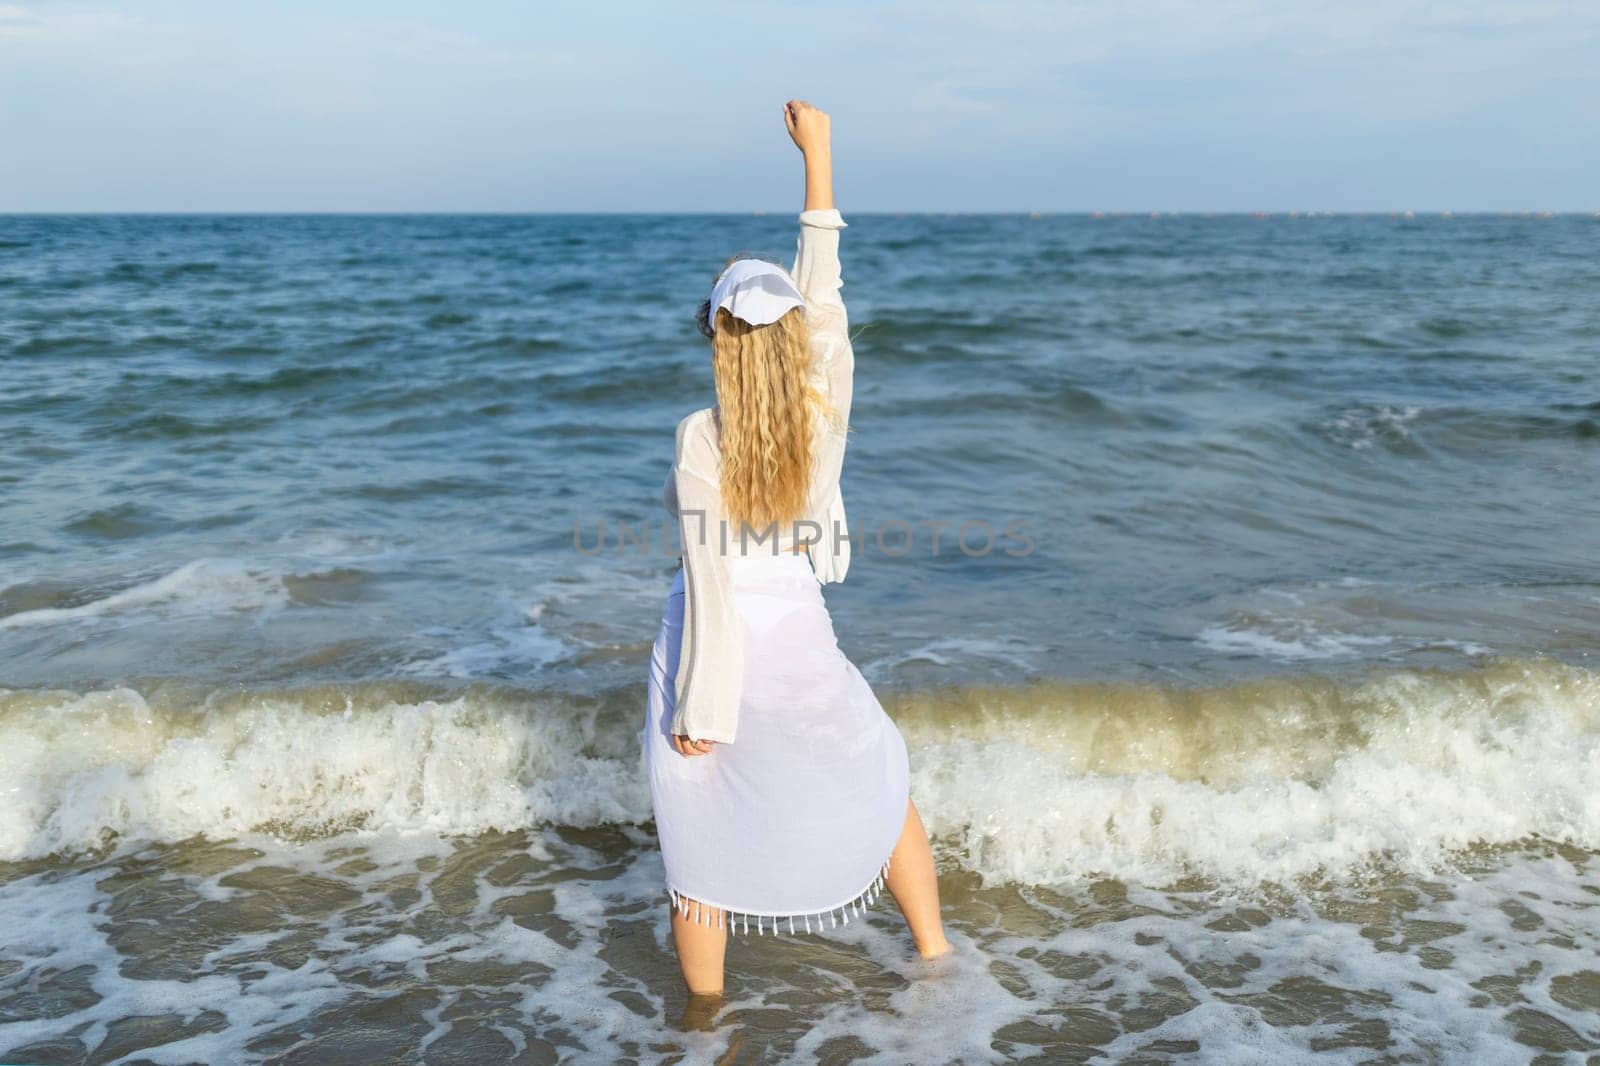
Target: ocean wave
82,769
124,520
287,379
199,587
1084,407
162,426
1268,781
1459,429
66,344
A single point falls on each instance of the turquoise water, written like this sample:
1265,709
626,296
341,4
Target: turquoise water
320,558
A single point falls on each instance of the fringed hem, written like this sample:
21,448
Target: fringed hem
705,912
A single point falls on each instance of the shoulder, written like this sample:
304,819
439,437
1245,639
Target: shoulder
697,423
704,416
697,432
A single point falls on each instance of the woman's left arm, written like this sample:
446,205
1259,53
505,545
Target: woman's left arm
711,657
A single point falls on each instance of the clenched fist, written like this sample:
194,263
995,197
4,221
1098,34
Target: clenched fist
810,128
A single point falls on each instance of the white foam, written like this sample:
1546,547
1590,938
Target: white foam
1303,642
1064,970
515,644
1362,426
77,769
56,922
962,652
1272,781
1432,1009
1406,769
947,1011
1356,619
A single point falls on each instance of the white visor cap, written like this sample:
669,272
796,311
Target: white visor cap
754,291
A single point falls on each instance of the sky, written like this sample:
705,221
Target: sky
487,105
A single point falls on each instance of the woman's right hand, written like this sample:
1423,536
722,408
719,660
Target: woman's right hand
812,131
810,127
684,746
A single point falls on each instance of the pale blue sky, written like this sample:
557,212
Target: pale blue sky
169,105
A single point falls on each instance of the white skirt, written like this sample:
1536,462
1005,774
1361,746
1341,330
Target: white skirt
789,828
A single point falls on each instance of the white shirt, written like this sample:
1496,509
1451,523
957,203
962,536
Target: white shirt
711,666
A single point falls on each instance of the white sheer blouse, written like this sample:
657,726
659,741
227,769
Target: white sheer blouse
711,666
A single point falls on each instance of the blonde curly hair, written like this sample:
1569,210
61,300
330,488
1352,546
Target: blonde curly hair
767,413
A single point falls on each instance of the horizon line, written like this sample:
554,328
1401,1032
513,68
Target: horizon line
1148,213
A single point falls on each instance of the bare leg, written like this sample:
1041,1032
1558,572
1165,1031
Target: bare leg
701,938
915,886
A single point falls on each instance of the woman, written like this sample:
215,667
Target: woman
781,787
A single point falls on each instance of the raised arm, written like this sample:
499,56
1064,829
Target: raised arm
812,132
816,265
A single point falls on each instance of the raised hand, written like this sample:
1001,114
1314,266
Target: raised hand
812,133
809,127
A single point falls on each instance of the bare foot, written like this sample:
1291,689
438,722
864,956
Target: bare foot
700,1012
934,951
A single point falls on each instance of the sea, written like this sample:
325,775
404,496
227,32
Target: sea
1234,582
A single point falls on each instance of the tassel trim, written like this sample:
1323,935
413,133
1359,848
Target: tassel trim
774,924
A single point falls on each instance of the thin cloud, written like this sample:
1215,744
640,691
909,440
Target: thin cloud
1055,105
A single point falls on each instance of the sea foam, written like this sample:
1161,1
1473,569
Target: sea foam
1247,783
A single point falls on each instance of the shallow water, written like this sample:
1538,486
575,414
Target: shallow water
319,710
550,945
